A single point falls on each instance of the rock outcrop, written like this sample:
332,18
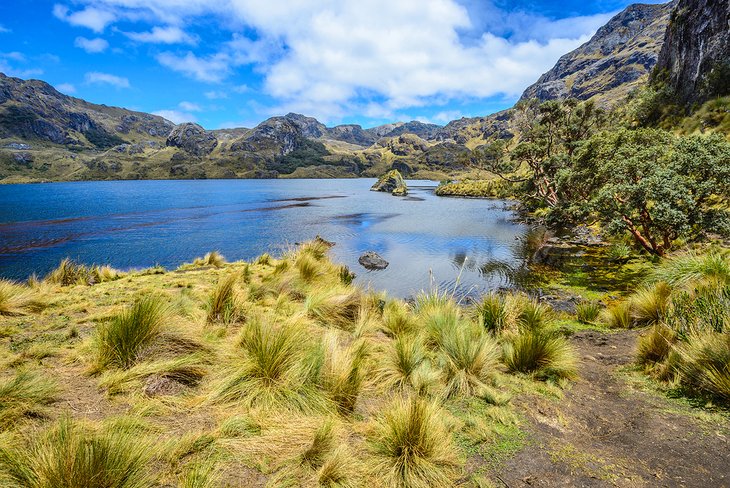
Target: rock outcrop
617,59
192,139
391,182
695,57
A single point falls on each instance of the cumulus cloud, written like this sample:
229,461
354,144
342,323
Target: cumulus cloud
9,62
97,45
216,95
330,58
190,106
91,17
95,77
163,35
66,88
212,69
176,116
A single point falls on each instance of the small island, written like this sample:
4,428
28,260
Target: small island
391,182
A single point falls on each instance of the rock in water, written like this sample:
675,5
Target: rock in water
392,182
372,260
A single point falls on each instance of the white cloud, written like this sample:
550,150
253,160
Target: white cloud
105,78
189,106
331,58
9,70
216,95
97,45
163,35
176,116
91,17
66,88
4,30
212,69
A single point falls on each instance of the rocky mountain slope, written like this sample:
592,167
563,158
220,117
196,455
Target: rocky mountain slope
695,57
617,59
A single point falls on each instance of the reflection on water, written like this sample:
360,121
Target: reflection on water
464,245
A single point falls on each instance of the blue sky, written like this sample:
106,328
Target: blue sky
233,63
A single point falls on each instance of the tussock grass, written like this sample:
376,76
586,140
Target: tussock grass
618,316
264,260
532,315
337,471
335,306
310,269
223,306
322,445
74,456
648,305
397,319
213,258
70,273
470,359
412,446
121,341
691,268
438,316
200,474
18,300
492,313
541,354
654,346
343,372
26,394
276,369
704,365
588,312
402,363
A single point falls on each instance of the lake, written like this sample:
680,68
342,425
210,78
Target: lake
428,240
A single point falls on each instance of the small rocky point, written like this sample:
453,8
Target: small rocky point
372,261
391,182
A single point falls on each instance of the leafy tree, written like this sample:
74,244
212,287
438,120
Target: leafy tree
550,133
653,185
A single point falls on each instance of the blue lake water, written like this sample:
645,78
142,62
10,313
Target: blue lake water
135,224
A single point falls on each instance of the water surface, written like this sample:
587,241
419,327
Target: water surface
136,224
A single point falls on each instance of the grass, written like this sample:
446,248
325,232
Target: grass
541,354
402,363
222,304
70,273
618,316
122,341
26,394
587,312
648,305
334,306
343,372
533,315
412,446
492,313
471,359
18,300
73,456
691,268
213,258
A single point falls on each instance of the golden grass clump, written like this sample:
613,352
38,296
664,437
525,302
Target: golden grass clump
618,316
654,346
587,312
648,305
704,365
398,319
470,358
335,306
402,363
223,306
343,372
70,273
492,313
213,258
412,446
25,394
18,300
542,354
73,456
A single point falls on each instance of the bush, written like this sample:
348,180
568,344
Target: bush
121,341
71,456
412,446
541,354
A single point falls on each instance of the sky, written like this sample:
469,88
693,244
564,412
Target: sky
234,63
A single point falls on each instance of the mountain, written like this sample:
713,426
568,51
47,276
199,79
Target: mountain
617,59
695,57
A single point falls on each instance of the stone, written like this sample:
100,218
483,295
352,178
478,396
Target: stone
18,146
23,158
193,139
372,261
391,182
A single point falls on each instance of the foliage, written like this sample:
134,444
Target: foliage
588,311
542,354
653,185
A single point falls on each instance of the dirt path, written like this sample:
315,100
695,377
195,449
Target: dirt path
607,433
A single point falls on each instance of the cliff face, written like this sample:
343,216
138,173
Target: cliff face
618,58
695,57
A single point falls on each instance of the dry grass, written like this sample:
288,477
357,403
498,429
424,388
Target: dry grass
19,300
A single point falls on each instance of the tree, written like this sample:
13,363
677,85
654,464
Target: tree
549,135
653,185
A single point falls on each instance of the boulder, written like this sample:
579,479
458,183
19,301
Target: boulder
391,182
372,261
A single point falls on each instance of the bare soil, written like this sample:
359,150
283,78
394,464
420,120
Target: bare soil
608,431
